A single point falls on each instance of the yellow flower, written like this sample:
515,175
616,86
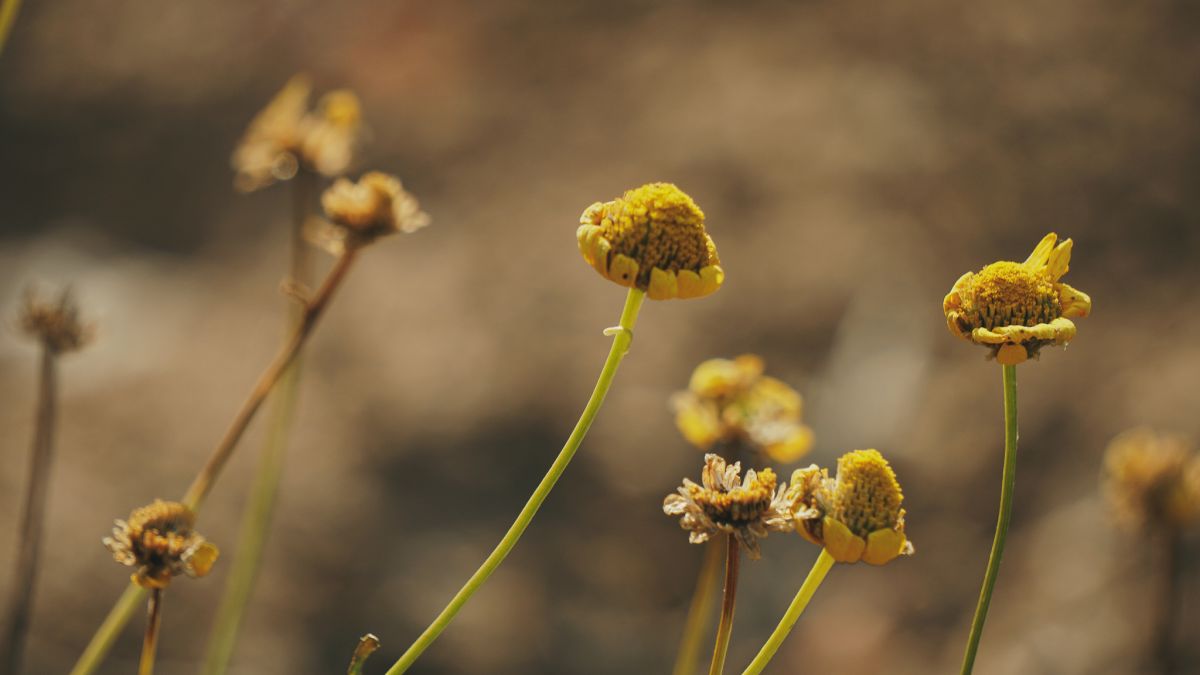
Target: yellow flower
746,508
856,517
1152,479
730,403
286,135
1015,309
159,540
653,238
361,212
55,324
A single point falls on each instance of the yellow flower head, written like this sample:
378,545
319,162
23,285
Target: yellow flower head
653,238
1152,479
361,212
55,324
731,404
1015,309
286,135
725,503
159,541
856,517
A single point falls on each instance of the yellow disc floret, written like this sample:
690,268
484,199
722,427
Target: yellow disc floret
653,238
867,497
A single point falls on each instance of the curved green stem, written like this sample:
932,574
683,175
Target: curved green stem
815,576
108,632
697,616
725,627
1006,500
622,337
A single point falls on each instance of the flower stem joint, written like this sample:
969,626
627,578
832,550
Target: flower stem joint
652,238
1015,309
856,516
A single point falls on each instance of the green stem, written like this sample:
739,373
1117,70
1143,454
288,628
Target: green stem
8,15
622,337
815,576
257,519
33,517
118,617
697,617
1006,500
150,643
725,627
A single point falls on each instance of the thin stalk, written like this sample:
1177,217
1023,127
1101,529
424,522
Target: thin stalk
120,615
815,576
367,645
33,517
257,519
622,337
150,643
725,627
1006,500
1168,601
698,612
8,15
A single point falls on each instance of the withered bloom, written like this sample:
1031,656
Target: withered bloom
159,541
55,324
1152,480
726,503
359,213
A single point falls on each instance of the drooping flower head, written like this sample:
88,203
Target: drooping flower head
55,324
725,503
1015,309
159,541
730,403
286,135
1152,480
856,517
653,238
359,213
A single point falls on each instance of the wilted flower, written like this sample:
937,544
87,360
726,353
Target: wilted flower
1015,309
1152,479
855,517
746,508
361,212
287,135
653,238
731,403
55,324
159,541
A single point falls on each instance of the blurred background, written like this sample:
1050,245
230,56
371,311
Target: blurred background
853,160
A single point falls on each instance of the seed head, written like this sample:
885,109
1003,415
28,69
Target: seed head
1152,480
375,206
159,541
55,324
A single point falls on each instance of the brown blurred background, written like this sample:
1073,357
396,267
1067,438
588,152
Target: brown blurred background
853,160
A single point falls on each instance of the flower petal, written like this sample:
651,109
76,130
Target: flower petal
1012,354
1075,303
663,285
841,543
883,546
623,270
1059,261
1041,253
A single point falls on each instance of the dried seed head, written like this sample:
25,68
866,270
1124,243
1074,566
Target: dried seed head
361,212
652,237
726,503
55,324
159,541
1015,309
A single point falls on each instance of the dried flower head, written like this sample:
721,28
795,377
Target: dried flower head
55,324
856,517
159,541
725,503
361,212
1015,309
730,403
1152,479
286,135
653,238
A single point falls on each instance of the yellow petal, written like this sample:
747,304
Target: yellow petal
623,270
841,543
688,283
1041,254
987,337
698,423
663,285
1059,261
792,449
1011,355
1075,303
953,299
883,546
202,559
594,247
1062,330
